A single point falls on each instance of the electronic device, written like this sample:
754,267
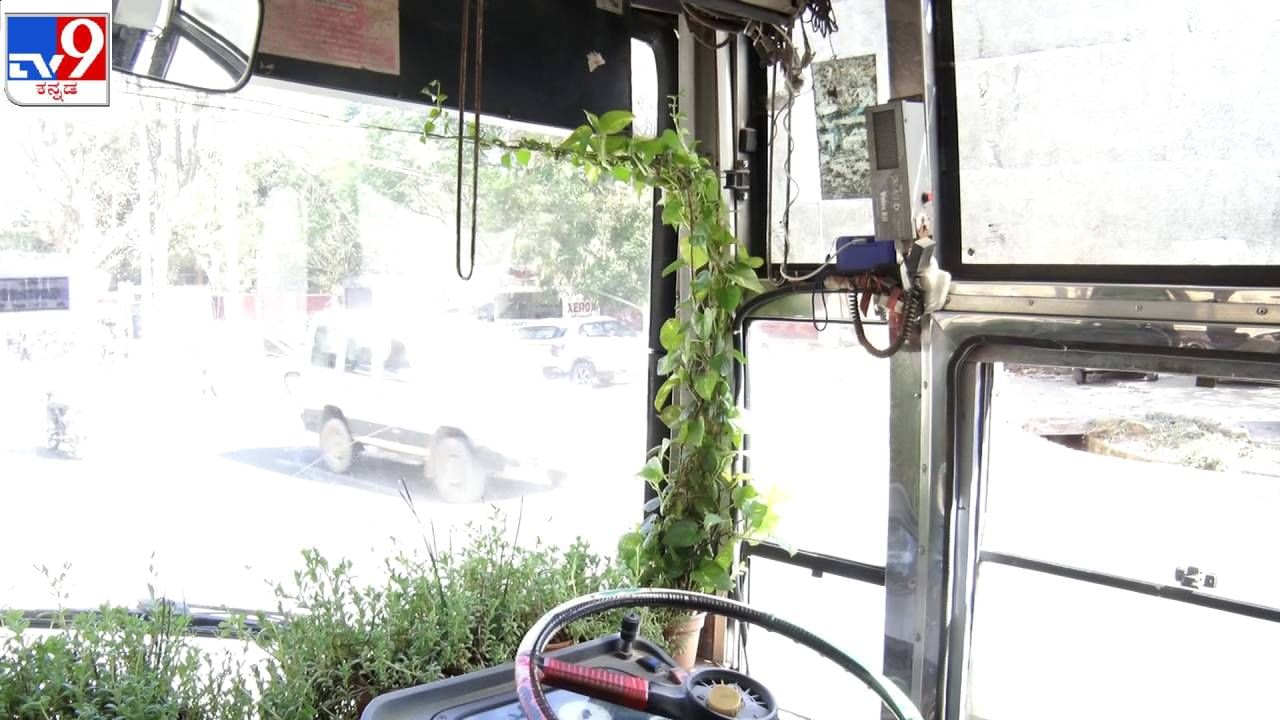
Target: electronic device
490,694
901,183
860,254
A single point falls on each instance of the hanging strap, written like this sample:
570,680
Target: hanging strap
475,140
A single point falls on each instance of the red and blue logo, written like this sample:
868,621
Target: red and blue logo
57,59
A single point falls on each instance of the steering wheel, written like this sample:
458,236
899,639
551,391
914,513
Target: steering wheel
705,694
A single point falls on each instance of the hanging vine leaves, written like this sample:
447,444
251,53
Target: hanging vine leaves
704,508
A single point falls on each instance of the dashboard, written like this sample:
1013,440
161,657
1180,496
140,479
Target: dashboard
490,694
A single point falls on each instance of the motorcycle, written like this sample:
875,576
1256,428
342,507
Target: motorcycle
62,438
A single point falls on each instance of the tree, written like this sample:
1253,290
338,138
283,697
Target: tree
592,240
330,216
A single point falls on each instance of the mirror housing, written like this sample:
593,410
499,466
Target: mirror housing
205,45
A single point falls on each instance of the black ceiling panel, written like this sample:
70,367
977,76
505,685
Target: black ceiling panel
535,59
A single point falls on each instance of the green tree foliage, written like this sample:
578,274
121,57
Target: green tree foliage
592,240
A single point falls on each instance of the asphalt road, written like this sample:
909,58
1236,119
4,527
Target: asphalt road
227,490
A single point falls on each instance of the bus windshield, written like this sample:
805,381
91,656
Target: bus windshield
267,338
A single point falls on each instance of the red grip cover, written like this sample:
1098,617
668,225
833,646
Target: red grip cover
601,684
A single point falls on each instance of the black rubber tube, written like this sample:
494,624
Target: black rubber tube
533,701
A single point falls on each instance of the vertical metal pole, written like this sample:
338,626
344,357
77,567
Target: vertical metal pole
915,571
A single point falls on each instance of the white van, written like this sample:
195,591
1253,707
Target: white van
441,392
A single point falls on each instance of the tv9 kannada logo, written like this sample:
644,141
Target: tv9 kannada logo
56,58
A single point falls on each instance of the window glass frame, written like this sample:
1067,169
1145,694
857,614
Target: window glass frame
818,563
947,172
970,363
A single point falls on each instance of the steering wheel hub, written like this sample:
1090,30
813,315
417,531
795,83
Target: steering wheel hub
730,694
724,699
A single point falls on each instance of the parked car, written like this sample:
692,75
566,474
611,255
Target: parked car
1081,375
590,350
441,393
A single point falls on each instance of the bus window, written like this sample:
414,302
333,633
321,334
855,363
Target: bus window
1076,105
1102,486
282,217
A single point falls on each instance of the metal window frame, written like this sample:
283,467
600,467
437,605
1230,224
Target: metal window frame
1079,327
784,306
945,138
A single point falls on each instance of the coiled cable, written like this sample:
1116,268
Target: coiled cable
908,330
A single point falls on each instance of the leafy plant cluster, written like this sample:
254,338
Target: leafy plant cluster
704,505
115,663
438,616
432,617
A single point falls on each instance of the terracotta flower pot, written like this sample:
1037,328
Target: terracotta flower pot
682,636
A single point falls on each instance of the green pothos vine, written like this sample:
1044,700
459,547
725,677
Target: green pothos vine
704,507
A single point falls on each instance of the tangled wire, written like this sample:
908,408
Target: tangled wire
774,42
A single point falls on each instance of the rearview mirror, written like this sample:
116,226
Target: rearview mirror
205,45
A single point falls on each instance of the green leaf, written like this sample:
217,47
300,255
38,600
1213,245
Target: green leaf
593,120
592,172
746,277
671,140
664,392
629,548
752,261
744,493
614,145
705,384
674,266
506,160
711,520
667,363
722,364
576,137
682,534
737,355
728,298
693,438
699,256
615,121
653,505
649,149
523,156
652,470
706,323
672,209
622,173
670,415
725,557
755,512
671,335
712,577
701,282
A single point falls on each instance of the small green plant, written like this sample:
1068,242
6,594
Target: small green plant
436,616
704,506
115,663
333,646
